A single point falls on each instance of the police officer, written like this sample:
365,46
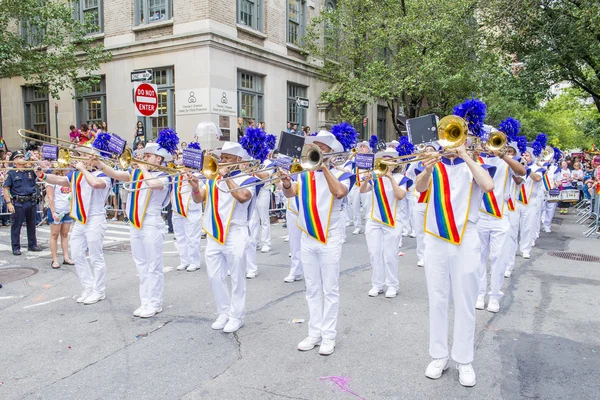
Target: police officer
19,191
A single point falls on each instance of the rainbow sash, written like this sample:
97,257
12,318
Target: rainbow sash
138,200
218,208
292,205
490,203
447,212
511,204
546,181
522,194
309,207
382,212
81,195
423,197
598,189
180,196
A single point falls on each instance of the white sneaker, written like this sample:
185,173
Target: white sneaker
287,238
251,275
182,267
233,326
327,347
292,279
357,231
191,268
94,298
138,311
149,312
507,274
289,254
349,223
391,292
114,219
265,249
466,375
309,343
533,244
374,292
548,230
405,234
526,256
436,368
413,234
220,322
493,305
420,263
480,305
84,295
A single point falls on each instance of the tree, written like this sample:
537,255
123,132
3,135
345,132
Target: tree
552,40
417,56
41,41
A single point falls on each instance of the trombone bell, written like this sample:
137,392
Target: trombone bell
452,132
496,141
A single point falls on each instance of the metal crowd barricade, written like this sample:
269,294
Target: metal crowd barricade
591,211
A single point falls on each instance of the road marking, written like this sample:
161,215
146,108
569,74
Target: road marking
46,302
11,297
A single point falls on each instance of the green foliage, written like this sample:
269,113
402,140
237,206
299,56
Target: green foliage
41,41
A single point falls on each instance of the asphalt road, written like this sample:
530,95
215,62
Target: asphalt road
543,344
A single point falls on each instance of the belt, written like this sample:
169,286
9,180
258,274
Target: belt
23,199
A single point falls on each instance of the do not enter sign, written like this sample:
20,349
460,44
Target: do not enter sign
146,99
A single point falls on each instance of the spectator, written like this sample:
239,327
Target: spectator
251,123
85,134
113,200
73,134
3,207
565,178
240,127
139,146
140,134
306,131
262,125
183,145
104,126
150,141
294,128
60,221
289,127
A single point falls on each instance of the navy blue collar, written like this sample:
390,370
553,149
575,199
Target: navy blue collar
456,161
487,155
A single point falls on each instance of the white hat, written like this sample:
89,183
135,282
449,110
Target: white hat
327,138
363,143
337,147
393,143
386,153
515,146
87,150
530,151
154,148
235,149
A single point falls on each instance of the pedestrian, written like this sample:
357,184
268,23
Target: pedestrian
139,135
74,134
85,134
240,128
19,192
306,131
262,125
59,200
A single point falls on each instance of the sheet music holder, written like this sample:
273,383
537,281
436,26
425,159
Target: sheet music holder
290,144
422,129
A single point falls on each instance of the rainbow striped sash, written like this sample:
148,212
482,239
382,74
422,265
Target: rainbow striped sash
138,200
180,199
423,197
522,194
81,194
382,212
511,204
309,207
546,181
218,210
490,205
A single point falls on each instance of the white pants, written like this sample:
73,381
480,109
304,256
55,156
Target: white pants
260,219
493,237
514,218
548,215
405,216
529,214
452,269
188,233
541,204
355,199
384,258
89,236
419,218
219,259
147,252
249,257
343,219
321,264
295,235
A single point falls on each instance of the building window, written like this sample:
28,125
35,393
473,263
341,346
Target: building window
296,11
91,104
149,11
36,109
164,79
90,11
250,13
32,34
381,122
295,114
250,97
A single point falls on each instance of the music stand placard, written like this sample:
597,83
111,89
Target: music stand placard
116,144
49,152
364,160
290,144
422,129
193,158
284,162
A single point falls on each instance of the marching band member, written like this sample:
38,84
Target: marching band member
452,260
225,222
494,225
383,227
550,181
354,199
541,141
147,227
260,223
295,235
419,210
320,194
187,220
89,191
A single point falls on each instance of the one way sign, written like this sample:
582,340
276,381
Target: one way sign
141,76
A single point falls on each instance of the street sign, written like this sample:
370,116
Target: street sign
302,102
145,98
141,76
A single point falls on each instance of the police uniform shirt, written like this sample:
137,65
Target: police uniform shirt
20,183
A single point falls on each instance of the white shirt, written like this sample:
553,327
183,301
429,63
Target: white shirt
62,198
158,198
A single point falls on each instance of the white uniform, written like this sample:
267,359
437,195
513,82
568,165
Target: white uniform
147,229
408,204
226,225
514,217
318,218
550,207
493,228
452,259
295,234
382,229
260,223
527,194
87,209
187,219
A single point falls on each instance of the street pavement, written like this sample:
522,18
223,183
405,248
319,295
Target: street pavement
543,344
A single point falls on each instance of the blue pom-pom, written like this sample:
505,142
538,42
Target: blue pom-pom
557,154
168,140
522,144
258,143
101,144
511,127
313,134
405,147
542,139
537,148
345,134
474,112
194,145
373,140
